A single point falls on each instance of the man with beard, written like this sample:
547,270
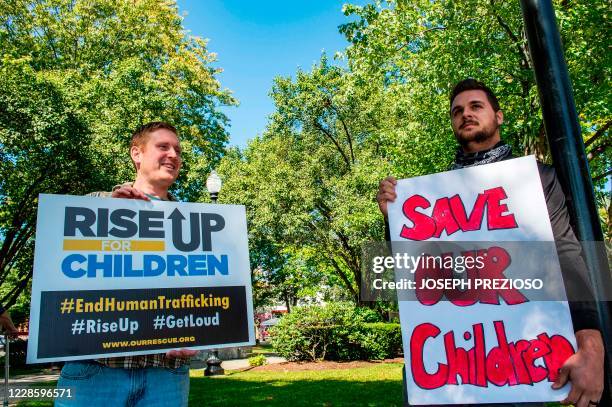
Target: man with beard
476,118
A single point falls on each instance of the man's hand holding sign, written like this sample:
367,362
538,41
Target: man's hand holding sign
492,343
129,192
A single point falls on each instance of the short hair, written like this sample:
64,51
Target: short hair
140,136
473,84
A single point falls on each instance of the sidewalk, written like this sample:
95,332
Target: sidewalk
244,363
233,364
236,364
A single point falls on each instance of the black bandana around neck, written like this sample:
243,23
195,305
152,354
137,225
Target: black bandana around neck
499,152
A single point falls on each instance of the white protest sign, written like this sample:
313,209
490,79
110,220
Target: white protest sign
117,277
482,345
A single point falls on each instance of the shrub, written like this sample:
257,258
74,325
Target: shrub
334,332
258,360
382,340
331,332
368,314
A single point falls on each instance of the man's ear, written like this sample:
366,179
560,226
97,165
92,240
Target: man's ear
499,115
136,155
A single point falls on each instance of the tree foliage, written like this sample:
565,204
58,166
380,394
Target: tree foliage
76,79
336,131
309,183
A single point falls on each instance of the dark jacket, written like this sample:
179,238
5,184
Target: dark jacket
574,269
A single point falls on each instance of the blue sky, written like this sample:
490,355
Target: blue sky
258,40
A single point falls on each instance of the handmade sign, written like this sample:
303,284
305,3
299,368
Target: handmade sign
475,333
119,277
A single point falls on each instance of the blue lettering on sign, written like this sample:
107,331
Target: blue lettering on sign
67,266
121,265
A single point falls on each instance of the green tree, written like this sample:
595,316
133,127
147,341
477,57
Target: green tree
335,132
309,183
76,78
282,270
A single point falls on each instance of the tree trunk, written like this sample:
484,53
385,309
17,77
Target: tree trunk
287,302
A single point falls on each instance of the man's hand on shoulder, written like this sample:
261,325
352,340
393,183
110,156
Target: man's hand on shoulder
128,192
584,369
386,193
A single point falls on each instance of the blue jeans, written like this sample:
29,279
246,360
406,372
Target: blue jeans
96,385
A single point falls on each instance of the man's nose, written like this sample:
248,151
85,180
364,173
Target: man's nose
173,153
468,115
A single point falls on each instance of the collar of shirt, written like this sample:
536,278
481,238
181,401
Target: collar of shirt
130,184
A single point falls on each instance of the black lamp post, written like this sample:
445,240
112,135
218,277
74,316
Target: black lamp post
569,156
213,363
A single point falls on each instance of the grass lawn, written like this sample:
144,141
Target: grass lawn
376,385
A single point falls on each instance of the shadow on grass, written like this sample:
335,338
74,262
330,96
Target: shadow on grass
232,391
